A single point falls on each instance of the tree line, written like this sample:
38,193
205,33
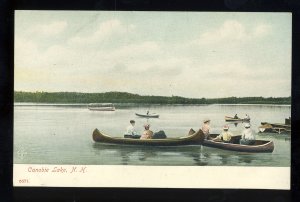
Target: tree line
124,97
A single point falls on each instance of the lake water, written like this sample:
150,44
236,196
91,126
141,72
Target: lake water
62,134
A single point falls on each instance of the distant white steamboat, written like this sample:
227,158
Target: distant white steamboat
101,107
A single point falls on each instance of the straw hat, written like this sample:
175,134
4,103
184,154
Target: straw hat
226,127
206,120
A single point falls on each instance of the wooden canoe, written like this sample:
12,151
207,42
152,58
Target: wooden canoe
193,139
274,128
278,125
154,115
260,146
228,118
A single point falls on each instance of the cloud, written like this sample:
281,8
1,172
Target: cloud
106,30
115,57
25,52
233,31
235,71
50,29
146,48
261,30
162,67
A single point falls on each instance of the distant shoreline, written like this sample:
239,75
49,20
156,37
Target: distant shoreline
124,97
25,104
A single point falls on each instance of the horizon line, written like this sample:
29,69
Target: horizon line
144,95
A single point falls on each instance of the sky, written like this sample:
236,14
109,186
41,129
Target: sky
188,54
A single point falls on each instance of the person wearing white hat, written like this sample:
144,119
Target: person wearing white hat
206,127
147,134
225,135
248,137
247,117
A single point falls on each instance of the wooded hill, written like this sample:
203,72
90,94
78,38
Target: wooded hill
123,97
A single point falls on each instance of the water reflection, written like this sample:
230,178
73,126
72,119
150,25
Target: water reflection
235,123
246,159
175,156
224,158
135,155
200,158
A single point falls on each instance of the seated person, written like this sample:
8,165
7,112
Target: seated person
147,134
130,131
225,135
235,116
206,127
247,117
248,137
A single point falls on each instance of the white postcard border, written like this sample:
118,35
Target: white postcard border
229,177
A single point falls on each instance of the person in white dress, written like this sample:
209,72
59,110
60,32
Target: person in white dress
130,130
248,136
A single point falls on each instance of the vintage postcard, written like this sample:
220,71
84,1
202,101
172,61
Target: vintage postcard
152,99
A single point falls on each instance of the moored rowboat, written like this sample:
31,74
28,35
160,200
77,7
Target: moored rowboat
260,146
274,128
153,115
281,125
101,107
193,139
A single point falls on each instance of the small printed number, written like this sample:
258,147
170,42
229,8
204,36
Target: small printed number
24,181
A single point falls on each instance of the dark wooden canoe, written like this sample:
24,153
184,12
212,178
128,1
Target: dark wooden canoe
193,139
274,128
281,125
258,147
154,115
228,118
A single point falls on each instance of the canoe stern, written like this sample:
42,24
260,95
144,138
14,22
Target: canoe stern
97,137
267,147
197,136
